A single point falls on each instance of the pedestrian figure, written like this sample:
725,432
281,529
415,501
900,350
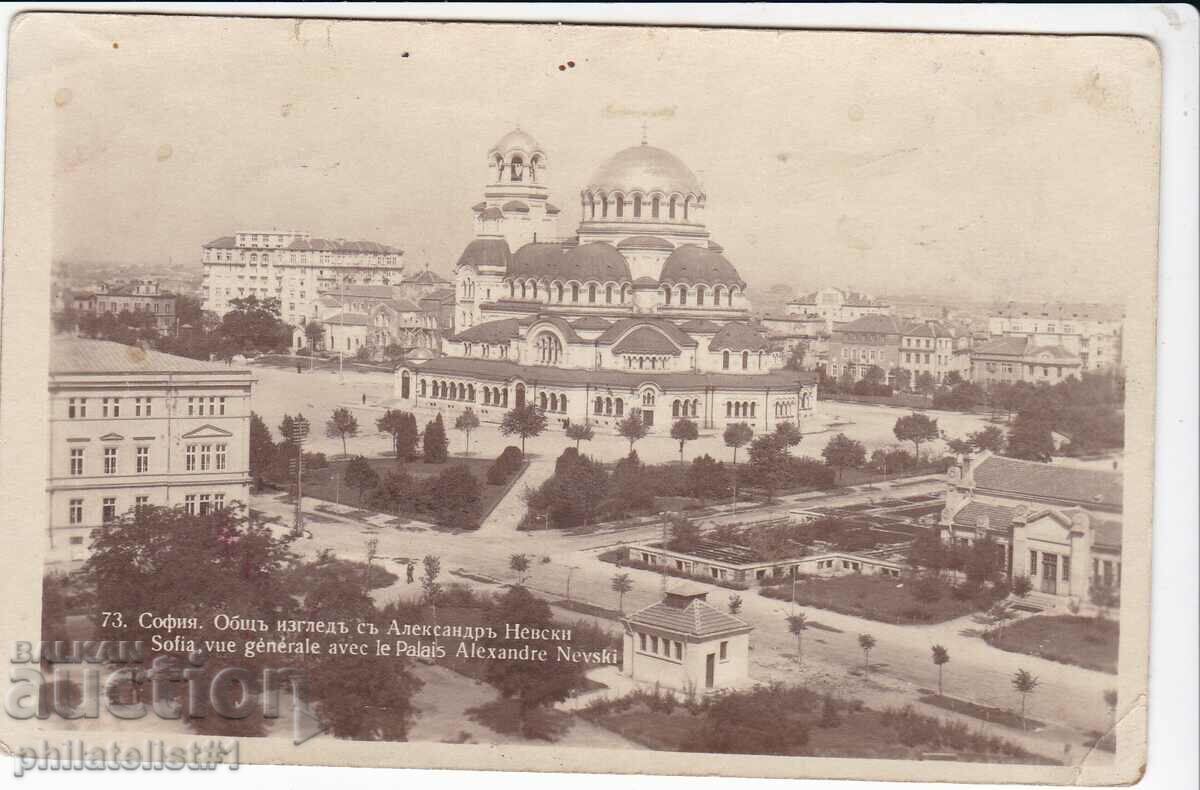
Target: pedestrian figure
364,399
410,572
299,369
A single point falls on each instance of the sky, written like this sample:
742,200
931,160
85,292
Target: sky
988,167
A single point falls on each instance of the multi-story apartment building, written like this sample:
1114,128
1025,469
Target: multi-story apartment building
1018,358
870,341
1090,332
136,296
835,306
937,348
374,317
293,267
132,427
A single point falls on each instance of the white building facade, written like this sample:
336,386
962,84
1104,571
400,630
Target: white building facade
131,427
293,267
1091,332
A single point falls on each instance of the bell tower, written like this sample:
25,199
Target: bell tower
516,204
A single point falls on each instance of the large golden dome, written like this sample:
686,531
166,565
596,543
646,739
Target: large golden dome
645,168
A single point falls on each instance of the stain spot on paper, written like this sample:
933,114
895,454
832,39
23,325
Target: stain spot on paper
285,110
164,152
116,45
62,97
854,113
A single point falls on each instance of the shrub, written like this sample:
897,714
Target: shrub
505,465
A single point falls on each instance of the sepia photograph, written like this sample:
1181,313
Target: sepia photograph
582,398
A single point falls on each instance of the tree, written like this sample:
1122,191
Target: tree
341,425
524,421
1029,438
1021,586
1105,595
632,428
314,332
737,435
735,604
789,434
927,589
580,432
396,489
435,441
407,438
393,422
990,438
842,452
685,534
769,462
874,375
429,584
519,564
262,449
926,382
453,496
533,684
941,657
797,625
903,378
360,475
866,643
708,479
253,324
467,422
683,431
795,360
621,584
916,428
160,559
1025,684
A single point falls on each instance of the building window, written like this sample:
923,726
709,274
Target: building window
724,650
110,460
108,510
76,461
189,458
75,511
143,460
725,360
205,504
642,642
653,644
218,502
1033,563
745,360
221,456
221,406
141,501
189,504
191,407
76,408
678,645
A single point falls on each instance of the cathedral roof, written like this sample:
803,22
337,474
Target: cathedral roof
517,140
645,168
692,264
645,243
646,340
592,322
701,326
736,336
559,323
500,331
676,335
556,261
486,252
516,206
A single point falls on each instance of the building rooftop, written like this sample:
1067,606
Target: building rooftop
685,611
737,336
1084,487
84,355
872,324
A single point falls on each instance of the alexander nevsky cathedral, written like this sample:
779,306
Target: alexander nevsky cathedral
639,312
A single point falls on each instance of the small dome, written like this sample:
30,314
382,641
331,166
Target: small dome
516,206
516,140
645,168
692,264
645,243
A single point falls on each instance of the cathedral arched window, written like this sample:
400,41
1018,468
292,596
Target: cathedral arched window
700,295
731,290
717,295
637,205
599,405
620,199
648,398
499,164
558,292
620,407
624,293
548,348
592,206
687,202
604,206
512,288
654,203
535,164
683,294
675,408
517,169
745,360
608,294
574,293
591,294
667,294
543,401
671,208
524,293
724,360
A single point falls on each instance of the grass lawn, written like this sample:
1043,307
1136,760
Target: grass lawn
884,598
1083,641
325,483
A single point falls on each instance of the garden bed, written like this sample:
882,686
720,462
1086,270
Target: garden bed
881,598
1086,642
991,715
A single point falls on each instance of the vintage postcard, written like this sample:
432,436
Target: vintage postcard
653,400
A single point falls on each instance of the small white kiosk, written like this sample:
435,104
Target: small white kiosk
683,643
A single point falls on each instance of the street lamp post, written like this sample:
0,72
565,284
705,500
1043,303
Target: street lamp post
299,432
570,570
